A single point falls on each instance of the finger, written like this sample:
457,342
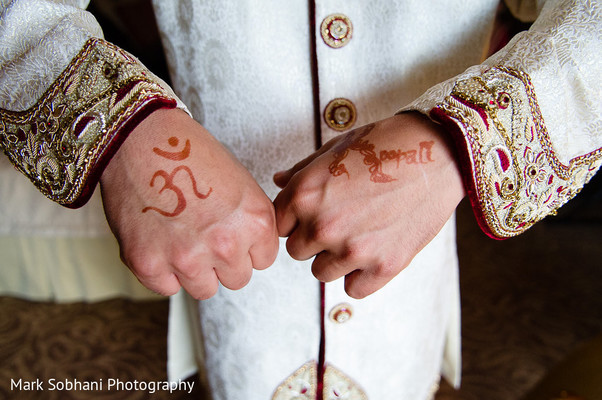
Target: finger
235,275
286,219
164,284
264,242
363,282
203,285
282,178
263,253
154,274
328,267
301,245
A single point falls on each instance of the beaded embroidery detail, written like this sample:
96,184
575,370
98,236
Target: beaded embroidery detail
338,386
75,127
517,177
301,385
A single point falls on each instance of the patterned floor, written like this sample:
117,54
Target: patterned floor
89,342
526,304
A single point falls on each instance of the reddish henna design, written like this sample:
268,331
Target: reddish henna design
423,155
176,156
168,183
353,141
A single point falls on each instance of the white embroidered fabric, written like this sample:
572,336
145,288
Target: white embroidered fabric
561,54
244,69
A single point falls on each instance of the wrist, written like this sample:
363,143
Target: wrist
446,159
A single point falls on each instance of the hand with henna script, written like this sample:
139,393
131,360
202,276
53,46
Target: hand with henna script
368,201
185,212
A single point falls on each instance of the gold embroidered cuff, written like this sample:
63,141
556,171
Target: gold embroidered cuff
64,141
516,179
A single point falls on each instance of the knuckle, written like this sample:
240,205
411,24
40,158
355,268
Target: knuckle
224,245
146,269
386,270
185,262
324,231
187,269
355,252
264,223
304,196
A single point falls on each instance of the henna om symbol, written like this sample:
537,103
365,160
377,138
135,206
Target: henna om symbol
168,179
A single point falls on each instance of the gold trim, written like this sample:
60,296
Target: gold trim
336,30
337,385
301,385
59,142
517,176
341,313
340,114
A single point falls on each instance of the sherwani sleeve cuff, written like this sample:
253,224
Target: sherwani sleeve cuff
65,140
527,121
511,171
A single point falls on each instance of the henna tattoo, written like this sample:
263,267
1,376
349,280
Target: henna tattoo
168,184
168,178
176,156
354,141
423,155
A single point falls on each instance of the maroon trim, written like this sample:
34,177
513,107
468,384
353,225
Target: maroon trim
111,148
81,124
478,109
322,355
463,152
122,92
315,78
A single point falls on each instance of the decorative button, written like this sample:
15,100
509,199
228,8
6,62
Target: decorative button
341,313
336,30
340,114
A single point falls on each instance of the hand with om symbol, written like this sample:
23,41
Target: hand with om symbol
185,212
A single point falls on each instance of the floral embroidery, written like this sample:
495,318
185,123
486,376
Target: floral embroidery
535,172
63,142
517,179
301,385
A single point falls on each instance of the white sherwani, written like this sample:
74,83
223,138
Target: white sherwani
270,83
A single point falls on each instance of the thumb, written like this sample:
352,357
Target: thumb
281,178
